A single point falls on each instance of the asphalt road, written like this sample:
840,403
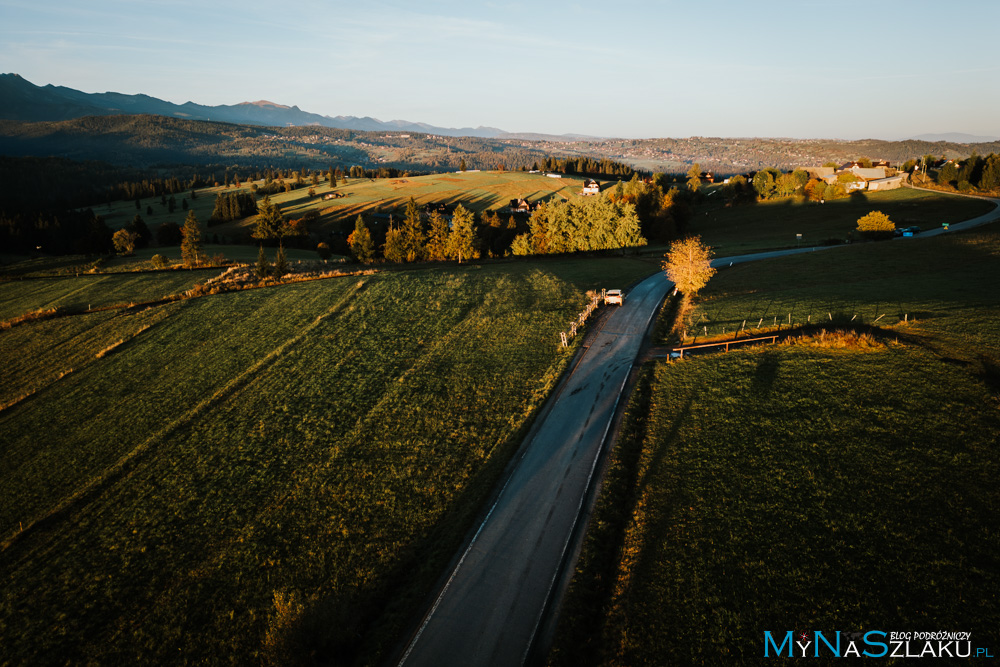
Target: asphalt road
959,226
491,607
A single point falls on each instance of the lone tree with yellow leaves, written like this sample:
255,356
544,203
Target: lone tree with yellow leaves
689,265
876,225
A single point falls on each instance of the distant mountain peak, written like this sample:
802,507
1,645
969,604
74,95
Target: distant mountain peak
264,103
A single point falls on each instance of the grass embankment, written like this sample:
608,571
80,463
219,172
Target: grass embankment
14,266
267,474
773,224
839,483
94,291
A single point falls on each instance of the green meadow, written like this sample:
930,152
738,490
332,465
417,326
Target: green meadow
768,225
842,480
272,475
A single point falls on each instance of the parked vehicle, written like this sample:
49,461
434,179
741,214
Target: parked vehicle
615,297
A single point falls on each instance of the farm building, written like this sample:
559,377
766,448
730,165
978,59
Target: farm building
866,176
870,173
818,172
591,187
890,183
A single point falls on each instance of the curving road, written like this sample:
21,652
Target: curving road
967,224
491,607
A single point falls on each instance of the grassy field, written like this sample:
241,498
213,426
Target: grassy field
477,191
774,224
269,475
835,482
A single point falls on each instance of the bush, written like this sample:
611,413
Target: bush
876,225
159,261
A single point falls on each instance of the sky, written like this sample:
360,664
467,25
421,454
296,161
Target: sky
659,68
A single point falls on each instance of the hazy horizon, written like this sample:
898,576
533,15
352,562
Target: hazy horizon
788,69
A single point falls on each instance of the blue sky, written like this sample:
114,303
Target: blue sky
652,69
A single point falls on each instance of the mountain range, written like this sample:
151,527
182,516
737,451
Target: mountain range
24,101
955,138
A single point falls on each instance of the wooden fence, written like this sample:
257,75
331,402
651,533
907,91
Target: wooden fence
581,319
726,344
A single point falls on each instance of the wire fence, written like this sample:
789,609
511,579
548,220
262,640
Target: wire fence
708,331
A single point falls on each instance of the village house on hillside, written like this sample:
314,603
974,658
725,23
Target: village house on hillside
887,183
591,187
523,206
443,209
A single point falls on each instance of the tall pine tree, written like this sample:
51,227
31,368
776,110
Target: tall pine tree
361,242
437,240
191,241
462,239
412,233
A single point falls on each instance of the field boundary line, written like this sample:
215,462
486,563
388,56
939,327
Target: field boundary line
126,462
69,371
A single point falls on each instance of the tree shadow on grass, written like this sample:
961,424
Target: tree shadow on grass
594,585
765,374
990,372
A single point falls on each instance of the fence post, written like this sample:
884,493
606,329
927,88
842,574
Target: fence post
562,335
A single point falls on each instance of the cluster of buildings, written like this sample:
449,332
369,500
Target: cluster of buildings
880,176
